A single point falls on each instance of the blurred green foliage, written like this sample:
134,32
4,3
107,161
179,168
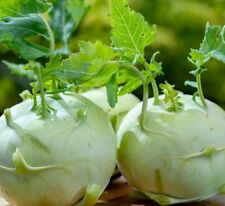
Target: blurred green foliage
181,25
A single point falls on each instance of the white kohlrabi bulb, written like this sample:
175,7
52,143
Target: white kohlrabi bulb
63,160
178,156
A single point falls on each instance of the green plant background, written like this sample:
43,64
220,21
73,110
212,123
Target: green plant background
181,25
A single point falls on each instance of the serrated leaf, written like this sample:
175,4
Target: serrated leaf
54,65
102,77
130,31
22,7
98,50
133,84
125,75
15,31
197,57
112,90
21,69
155,67
85,65
78,69
130,86
66,17
213,42
172,98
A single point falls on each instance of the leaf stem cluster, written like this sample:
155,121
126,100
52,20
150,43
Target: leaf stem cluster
39,72
42,93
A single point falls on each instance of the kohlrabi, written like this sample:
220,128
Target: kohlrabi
65,159
179,156
171,147
56,147
125,103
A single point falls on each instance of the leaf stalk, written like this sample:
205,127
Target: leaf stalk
51,36
42,93
154,85
199,88
145,93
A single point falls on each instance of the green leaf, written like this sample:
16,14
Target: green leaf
155,67
172,98
125,75
213,43
22,69
191,84
89,63
102,77
52,66
112,90
130,31
130,86
133,84
15,31
79,68
198,58
66,17
97,50
22,7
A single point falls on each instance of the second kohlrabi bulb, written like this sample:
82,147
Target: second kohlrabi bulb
177,156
